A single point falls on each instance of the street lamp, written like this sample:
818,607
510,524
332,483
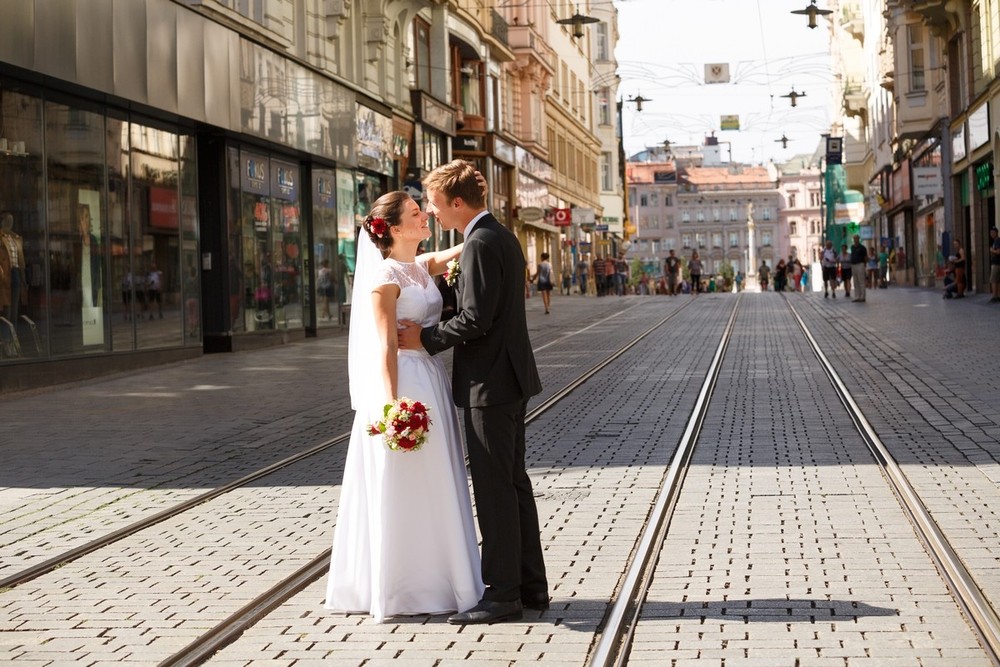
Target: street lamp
793,96
578,20
812,11
783,141
638,100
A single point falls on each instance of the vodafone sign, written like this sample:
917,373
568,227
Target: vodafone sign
562,217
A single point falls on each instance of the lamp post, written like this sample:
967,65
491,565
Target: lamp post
793,96
783,141
638,100
812,11
577,21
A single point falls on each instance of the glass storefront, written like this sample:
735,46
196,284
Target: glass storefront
266,244
100,227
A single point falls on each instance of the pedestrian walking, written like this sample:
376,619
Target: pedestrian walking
859,263
695,267
672,267
543,276
828,260
780,276
958,263
763,275
845,270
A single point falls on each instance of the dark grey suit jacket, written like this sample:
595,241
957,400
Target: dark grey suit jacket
493,362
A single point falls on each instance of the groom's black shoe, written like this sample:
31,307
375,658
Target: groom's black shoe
489,612
536,601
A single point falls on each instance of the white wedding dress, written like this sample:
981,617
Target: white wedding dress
405,542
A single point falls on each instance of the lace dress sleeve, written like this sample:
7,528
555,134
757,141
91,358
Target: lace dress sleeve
387,274
401,275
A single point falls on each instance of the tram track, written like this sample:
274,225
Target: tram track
230,629
50,564
612,644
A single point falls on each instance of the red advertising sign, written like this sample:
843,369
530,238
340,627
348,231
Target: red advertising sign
163,208
562,217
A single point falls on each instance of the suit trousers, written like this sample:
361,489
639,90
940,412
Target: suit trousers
505,505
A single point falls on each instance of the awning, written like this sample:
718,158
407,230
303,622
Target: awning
541,224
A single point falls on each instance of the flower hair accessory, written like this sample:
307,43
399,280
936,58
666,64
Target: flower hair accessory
377,226
452,271
404,425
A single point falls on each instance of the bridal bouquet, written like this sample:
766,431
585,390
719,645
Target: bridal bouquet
453,270
404,425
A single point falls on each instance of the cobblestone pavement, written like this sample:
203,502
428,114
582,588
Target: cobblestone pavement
121,448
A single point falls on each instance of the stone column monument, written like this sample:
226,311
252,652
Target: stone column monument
751,284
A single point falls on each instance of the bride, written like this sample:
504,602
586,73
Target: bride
405,541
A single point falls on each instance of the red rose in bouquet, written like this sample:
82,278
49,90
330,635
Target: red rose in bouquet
404,425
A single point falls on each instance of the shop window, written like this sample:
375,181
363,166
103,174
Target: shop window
78,246
422,53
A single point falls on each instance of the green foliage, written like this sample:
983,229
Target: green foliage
635,272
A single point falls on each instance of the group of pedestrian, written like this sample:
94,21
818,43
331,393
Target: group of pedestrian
955,273
147,289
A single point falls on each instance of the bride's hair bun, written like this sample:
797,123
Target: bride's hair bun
385,213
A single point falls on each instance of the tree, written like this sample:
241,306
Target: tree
728,273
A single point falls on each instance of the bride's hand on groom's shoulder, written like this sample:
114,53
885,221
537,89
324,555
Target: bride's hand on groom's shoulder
408,334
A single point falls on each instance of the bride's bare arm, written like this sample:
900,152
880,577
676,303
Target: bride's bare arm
384,306
437,262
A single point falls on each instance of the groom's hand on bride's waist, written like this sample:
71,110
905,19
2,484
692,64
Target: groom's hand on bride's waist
409,335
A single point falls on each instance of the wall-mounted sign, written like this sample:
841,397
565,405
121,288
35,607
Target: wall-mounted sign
530,213
927,182
958,144
979,127
562,217
729,122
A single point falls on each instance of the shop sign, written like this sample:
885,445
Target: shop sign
503,151
979,127
600,228
475,144
729,122
324,191
927,182
958,144
163,208
530,191
530,213
585,246
984,176
437,115
562,217
530,164
584,216
253,174
285,178
374,140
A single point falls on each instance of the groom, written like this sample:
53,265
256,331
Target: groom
494,375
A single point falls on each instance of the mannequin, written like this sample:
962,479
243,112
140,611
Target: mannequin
13,288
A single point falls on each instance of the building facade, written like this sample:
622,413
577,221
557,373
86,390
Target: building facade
184,183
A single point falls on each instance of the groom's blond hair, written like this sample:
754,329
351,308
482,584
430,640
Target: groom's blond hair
456,179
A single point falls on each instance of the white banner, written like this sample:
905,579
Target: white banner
927,182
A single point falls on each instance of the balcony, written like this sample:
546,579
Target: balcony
855,100
852,22
940,14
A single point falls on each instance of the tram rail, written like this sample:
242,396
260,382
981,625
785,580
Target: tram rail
50,564
230,629
613,643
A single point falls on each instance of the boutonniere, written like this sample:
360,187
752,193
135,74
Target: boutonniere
452,271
